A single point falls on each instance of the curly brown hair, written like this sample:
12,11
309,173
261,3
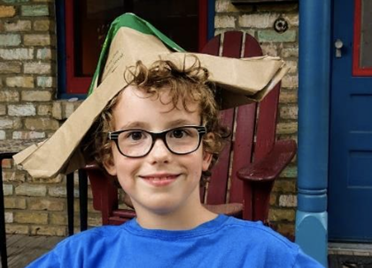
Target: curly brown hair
184,85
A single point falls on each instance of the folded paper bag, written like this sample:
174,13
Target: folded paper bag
240,81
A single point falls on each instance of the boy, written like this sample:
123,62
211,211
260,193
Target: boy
160,135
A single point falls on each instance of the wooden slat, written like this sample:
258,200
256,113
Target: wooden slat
242,152
217,187
245,127
232,44
213,46
232,47
266,128
251,47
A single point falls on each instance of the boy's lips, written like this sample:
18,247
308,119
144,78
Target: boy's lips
160,179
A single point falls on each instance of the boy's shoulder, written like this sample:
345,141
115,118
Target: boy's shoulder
74,250
256,231
262,242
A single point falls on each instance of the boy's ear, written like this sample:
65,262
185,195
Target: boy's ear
207,159
110,167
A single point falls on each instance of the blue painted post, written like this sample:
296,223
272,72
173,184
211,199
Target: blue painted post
211,14
313,127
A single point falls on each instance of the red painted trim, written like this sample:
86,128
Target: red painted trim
357,70
203,23
357,26
74,84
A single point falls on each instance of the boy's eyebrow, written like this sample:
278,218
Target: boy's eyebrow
171,124
181,122
135,124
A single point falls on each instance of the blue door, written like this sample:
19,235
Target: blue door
350,177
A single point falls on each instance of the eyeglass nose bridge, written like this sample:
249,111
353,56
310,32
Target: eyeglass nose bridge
157,136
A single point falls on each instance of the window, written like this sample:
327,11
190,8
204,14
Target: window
86,22
362,47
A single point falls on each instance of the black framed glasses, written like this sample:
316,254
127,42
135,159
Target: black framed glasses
137,143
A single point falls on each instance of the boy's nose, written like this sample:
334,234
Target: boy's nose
160,152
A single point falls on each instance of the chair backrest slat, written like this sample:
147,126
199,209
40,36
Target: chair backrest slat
243,148
212,47
218,183
267,111
232,44
266,123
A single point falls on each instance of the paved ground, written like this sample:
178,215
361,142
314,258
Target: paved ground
24,249
347,255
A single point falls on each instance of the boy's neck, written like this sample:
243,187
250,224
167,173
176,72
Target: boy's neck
180,220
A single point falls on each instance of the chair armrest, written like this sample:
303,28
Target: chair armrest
269,167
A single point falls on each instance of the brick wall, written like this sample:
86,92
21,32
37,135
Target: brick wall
29,109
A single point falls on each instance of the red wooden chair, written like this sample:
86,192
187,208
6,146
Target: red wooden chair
242,180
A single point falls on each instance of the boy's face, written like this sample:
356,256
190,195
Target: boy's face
160,182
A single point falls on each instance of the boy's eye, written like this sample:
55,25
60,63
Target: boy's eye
179,133
135,135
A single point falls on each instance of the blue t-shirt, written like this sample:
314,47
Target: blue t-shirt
222,242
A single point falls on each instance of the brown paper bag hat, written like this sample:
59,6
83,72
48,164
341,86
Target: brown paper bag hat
131,39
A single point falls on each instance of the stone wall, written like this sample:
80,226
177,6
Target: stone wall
29,108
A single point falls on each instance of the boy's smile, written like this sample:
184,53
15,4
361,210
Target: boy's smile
160,179
160,184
